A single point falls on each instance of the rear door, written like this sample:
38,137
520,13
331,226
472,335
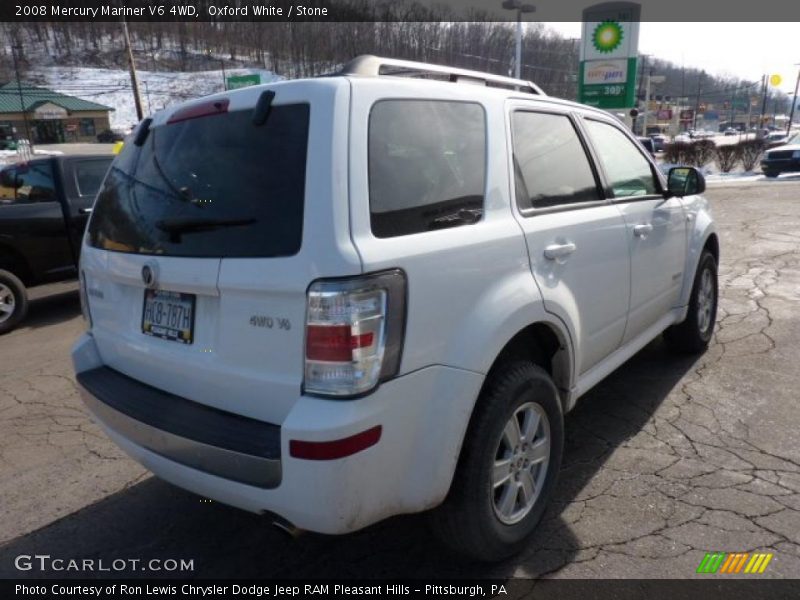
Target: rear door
576,239
232,218
81,177
32,221
656,227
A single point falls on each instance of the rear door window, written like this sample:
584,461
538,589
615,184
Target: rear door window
212,186
427,165
89,175
550,164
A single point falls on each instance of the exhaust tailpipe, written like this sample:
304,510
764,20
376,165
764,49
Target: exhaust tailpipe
287,528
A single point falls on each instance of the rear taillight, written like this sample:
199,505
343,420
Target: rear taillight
87,315
354,333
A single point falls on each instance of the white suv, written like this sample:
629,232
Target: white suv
345,298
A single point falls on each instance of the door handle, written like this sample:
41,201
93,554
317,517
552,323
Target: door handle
84,211
556,251
643,229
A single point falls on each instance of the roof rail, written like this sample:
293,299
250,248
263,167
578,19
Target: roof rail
375,66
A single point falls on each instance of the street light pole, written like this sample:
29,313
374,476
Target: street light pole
794,102
518,6
764,101
518,53
14,49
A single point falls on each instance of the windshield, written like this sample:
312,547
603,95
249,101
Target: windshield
214,186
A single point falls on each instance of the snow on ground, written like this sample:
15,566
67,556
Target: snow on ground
8,157
715,178
748,177
112,87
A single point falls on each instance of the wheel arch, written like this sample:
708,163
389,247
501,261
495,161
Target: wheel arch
13,261
546,345
712,245
701,238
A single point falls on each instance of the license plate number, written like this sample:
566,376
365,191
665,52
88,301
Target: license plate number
169,315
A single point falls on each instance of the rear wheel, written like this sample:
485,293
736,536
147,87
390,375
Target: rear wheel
13,301
508,465
693,335
772,173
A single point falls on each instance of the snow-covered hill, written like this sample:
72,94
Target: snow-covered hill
112,87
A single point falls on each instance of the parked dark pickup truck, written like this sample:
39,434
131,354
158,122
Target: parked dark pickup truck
44,206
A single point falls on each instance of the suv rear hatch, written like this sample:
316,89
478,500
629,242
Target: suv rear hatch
205,238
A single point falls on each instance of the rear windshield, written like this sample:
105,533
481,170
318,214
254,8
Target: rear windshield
213,186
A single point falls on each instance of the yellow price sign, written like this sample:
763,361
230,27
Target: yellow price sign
775,80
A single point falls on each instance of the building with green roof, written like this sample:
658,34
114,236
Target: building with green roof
51,117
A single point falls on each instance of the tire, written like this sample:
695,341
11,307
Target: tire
473,520
13,301
772,174
694,333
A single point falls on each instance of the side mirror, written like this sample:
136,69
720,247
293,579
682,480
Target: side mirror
685,181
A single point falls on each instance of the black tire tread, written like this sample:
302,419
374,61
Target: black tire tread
12,281
454,522
684,338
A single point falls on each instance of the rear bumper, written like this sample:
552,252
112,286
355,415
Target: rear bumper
423,416
195,435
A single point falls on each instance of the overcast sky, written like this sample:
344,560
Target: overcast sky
745,50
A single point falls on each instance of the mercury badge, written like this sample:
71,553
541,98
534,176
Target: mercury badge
150,275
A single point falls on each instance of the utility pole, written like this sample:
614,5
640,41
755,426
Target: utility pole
646,103
794,101
147,93
14,49
697,101
639,93
210,57
650,80
763,102
137,99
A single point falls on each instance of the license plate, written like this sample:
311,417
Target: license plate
169,315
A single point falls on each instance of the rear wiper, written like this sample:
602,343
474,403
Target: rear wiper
177,226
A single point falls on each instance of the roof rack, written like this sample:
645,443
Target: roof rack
375,66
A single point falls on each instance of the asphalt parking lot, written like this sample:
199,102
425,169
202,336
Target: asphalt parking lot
666,460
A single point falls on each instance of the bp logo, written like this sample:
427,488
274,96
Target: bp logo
607,36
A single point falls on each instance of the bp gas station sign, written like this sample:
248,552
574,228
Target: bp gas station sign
609,49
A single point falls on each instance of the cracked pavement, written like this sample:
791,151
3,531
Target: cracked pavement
667,459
